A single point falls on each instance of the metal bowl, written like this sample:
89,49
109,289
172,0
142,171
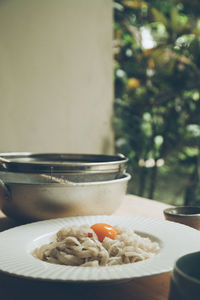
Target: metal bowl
40,201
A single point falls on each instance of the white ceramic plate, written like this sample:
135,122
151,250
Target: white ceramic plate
17,244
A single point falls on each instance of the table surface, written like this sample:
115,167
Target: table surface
149,288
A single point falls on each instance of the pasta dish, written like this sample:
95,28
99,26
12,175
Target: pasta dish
98,245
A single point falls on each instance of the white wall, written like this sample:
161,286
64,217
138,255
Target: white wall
56,76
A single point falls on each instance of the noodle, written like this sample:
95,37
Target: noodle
79,246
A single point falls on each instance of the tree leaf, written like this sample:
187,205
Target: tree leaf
159,17
174,19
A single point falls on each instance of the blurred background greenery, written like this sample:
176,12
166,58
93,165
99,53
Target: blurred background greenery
157,97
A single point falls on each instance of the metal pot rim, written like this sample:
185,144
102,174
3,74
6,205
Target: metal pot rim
125,177
29,162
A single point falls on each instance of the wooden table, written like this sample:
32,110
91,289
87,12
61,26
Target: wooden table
150,288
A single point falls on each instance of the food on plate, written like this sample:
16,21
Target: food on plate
103,230
98,245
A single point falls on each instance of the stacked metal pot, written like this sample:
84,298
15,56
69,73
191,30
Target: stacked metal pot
38,186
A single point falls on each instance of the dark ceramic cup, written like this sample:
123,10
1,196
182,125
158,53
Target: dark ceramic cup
185,280
188,215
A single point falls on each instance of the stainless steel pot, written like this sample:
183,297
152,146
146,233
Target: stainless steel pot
39,201
72,167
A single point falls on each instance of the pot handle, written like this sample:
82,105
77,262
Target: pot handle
4,192
3,165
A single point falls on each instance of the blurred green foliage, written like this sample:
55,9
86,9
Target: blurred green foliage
157,96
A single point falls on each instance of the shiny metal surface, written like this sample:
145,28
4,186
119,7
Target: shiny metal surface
13,177
40,201
24,162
